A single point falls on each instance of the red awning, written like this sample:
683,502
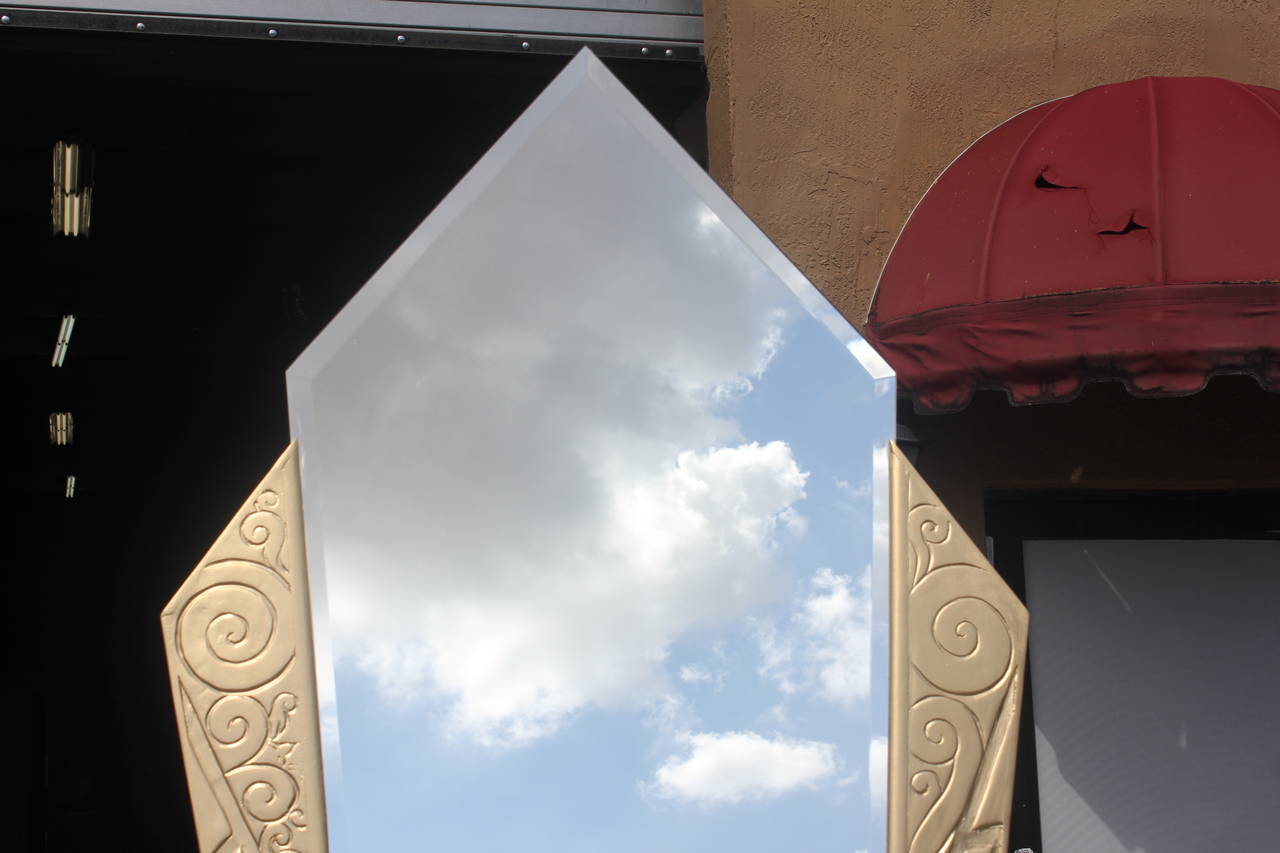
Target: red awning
1129,232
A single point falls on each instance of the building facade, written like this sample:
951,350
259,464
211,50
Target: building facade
830,123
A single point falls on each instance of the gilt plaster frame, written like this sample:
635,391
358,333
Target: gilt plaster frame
957,656
238,640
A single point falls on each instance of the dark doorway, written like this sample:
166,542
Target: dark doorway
244,191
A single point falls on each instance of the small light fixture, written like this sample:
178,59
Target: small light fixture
61,428
72,203
71,485
64,339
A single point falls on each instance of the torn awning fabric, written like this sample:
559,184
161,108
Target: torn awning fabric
1130,232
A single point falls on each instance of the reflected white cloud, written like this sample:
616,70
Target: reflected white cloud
878,770
583,422
671,713
560,491
826,646
689,548
725,768
694,674
854,491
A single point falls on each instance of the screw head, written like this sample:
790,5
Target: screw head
644,51
401,39
4,19
272,33
524,45
670,52
141,26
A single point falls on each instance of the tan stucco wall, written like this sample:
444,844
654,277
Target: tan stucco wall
829,120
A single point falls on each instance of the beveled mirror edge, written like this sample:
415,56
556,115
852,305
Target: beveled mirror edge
958,646
238,642
586,65
466,191
738,222
463,194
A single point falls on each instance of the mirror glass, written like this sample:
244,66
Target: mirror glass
595,511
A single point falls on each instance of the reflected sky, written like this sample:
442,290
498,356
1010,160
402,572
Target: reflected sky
589,509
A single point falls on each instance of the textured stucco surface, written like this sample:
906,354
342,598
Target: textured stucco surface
829,120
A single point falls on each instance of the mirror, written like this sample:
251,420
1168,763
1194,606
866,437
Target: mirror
596,507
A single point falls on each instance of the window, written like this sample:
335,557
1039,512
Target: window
1146,724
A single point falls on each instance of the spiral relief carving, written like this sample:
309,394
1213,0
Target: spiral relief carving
943,735
266,791
235,635
278,837
238,727
960,636
264,529
928,526
971,648
240,664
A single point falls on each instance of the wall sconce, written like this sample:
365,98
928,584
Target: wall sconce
61,428
63,340
72,201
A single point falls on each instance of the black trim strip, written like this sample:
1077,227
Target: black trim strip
618,48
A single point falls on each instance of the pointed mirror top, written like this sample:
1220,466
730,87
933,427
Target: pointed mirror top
591,514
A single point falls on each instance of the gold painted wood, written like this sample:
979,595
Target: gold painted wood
957,652
238,640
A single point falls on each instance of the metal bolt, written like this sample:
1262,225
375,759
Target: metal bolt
670,52
524,45
272,33
401,39
4,19
644,51
141,26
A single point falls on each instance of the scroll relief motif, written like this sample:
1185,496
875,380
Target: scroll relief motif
238,642
958,638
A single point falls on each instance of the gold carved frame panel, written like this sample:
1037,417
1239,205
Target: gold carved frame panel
238,641
957,652
239,645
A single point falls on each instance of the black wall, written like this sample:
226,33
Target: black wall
243,192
